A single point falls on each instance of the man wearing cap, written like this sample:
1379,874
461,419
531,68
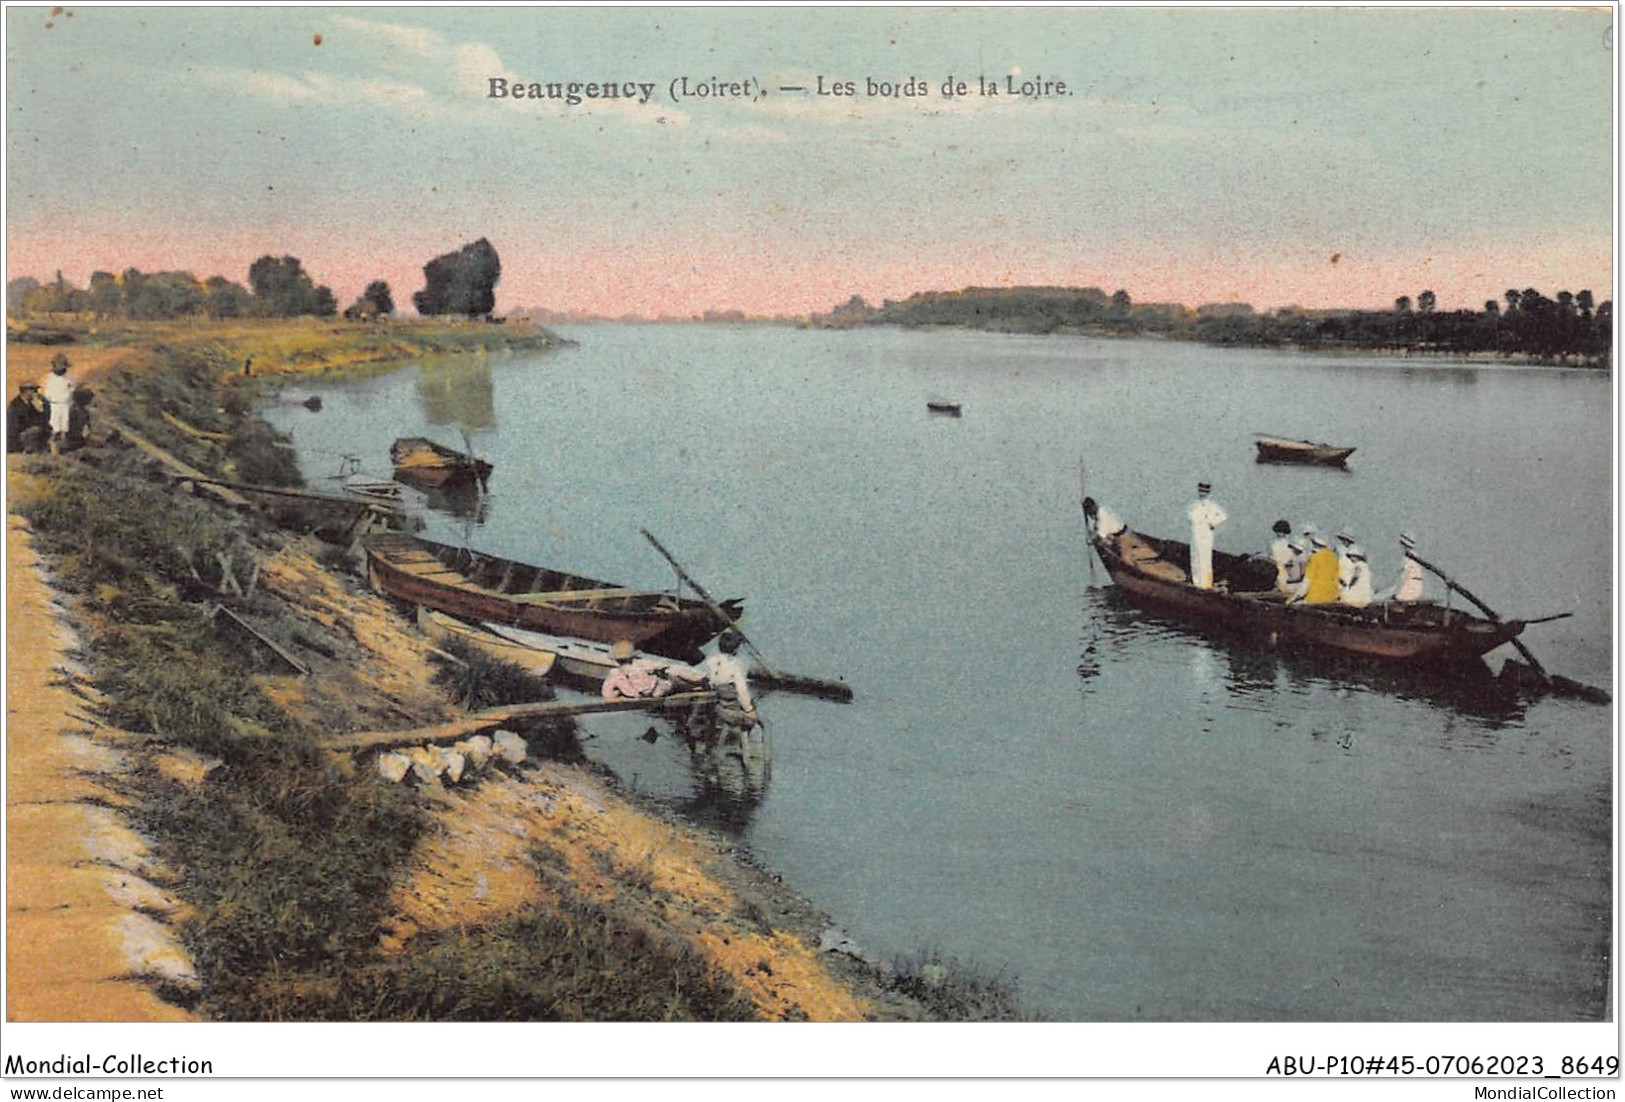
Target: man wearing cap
27,422
1356,583
1287,554
58,391
1410,585
1320,572
634,678
1205,516
1345,548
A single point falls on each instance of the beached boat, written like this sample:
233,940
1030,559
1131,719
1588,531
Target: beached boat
426,463
476,587
1155,573
440,627
1272,449
582,661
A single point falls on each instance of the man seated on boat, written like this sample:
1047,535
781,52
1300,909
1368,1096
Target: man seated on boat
635,678
1411,586
1110,530
1321,585
1287,555
1357,585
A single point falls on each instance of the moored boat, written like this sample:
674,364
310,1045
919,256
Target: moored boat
427,463
1273,449
440,627
1155,574
950,409
581,661
477,587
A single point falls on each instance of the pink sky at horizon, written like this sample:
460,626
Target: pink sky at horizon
648,282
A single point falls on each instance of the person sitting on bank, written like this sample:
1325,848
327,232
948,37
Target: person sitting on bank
1320,572
635,678
28,423
78,418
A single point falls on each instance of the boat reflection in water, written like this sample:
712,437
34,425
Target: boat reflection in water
1116,630
466,501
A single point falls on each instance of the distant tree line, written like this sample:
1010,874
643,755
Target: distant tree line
1571,327
461,283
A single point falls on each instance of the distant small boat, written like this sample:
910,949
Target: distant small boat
951,409
1272,449
426,463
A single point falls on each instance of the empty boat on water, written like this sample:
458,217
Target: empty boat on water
426,463
478,587
1273,449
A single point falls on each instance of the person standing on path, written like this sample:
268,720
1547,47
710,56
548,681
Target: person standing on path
58,393
1206,516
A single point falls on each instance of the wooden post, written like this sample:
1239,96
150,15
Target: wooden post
493,718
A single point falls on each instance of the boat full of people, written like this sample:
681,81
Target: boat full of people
1244,598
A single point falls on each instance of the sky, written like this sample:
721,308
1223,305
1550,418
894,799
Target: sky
1318,157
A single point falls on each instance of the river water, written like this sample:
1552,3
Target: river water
1130,821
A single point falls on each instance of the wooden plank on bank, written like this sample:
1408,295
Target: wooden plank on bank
175,464
492,718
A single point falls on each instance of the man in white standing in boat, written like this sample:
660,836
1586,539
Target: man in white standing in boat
1206,516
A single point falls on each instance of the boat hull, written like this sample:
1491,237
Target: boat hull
1302,451
440,627
477,588
427,464
1414,633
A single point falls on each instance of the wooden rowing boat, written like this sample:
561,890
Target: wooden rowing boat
426,463
440,627
477,587
582,661
1272,449
1155,574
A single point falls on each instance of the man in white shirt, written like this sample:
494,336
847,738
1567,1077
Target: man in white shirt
58,393
1206,515
726,674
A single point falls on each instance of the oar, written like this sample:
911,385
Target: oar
1082,497
764,675
1568,685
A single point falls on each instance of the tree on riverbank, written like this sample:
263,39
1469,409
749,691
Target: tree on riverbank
463,282
281,288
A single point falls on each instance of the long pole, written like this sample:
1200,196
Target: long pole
833,690
1486,610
